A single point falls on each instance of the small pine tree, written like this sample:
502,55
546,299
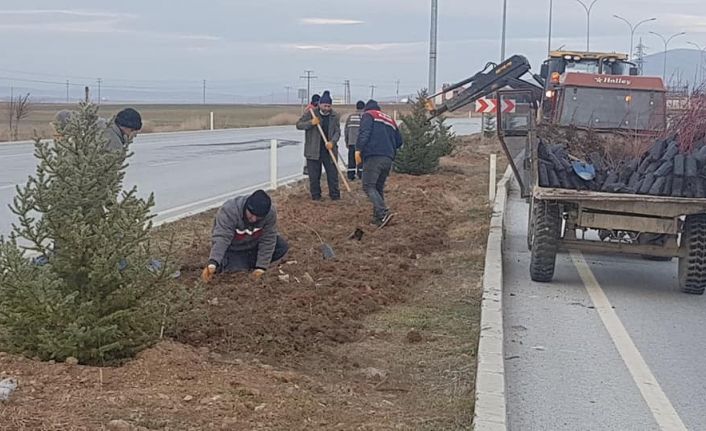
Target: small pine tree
96,297
424,141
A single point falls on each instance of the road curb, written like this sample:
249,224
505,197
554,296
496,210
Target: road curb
490,408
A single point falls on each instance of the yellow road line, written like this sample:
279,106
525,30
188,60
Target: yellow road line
658,403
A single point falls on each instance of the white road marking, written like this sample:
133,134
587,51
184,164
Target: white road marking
158,164
658,403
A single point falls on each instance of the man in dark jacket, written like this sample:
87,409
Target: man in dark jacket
379,139
316,148
351,134
244,237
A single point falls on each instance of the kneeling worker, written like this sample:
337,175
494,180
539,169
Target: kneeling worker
244,237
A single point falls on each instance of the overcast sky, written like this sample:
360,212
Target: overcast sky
257,47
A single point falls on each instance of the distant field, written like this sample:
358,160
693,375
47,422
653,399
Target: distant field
167,118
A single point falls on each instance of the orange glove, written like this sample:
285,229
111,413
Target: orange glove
257,274
315,121
208,272
358,158
329,145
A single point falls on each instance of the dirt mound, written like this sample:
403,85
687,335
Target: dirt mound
308,301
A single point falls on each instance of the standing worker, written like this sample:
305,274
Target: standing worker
316,147
244,237
312,105
122,130
351,135
379,139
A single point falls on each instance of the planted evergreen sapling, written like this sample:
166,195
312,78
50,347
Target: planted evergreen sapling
97,298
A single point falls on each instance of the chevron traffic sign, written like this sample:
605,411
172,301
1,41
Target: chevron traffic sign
488,106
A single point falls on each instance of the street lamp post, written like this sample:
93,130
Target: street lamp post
502,42
588,21
632,29
700,73
666,44
549,37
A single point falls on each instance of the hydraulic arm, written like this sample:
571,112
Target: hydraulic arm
483,83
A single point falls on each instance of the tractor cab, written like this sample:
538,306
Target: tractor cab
601,91
599,63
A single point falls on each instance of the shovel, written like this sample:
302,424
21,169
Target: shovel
326,249
584,170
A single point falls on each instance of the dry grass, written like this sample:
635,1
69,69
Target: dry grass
168,118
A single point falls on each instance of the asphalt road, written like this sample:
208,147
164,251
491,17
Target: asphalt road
578,360
188,170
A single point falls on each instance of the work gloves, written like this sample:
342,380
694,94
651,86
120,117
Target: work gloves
315,121
257,274
358,158
209,271
329,145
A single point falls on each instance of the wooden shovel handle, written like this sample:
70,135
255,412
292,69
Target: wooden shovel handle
333,158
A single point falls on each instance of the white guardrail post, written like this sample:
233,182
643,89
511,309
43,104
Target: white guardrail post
211,120
273,164
492,181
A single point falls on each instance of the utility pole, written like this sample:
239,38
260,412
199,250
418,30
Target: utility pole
397,91
432,46
308,78
99,91
372,91
287,88
67,91
588,22
502,42
640,52
348,92
204,91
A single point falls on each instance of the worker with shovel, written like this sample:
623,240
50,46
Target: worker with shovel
378,142
244,237
317,147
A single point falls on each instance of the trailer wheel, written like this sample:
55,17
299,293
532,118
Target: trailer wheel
692,261
545,240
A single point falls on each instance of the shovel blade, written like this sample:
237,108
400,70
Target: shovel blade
327,252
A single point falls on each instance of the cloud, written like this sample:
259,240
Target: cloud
66,12
329,21
81,21
346,47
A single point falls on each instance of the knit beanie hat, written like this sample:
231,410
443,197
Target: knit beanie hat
372,105
129,118
259,203
360,105
326,98
315,99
